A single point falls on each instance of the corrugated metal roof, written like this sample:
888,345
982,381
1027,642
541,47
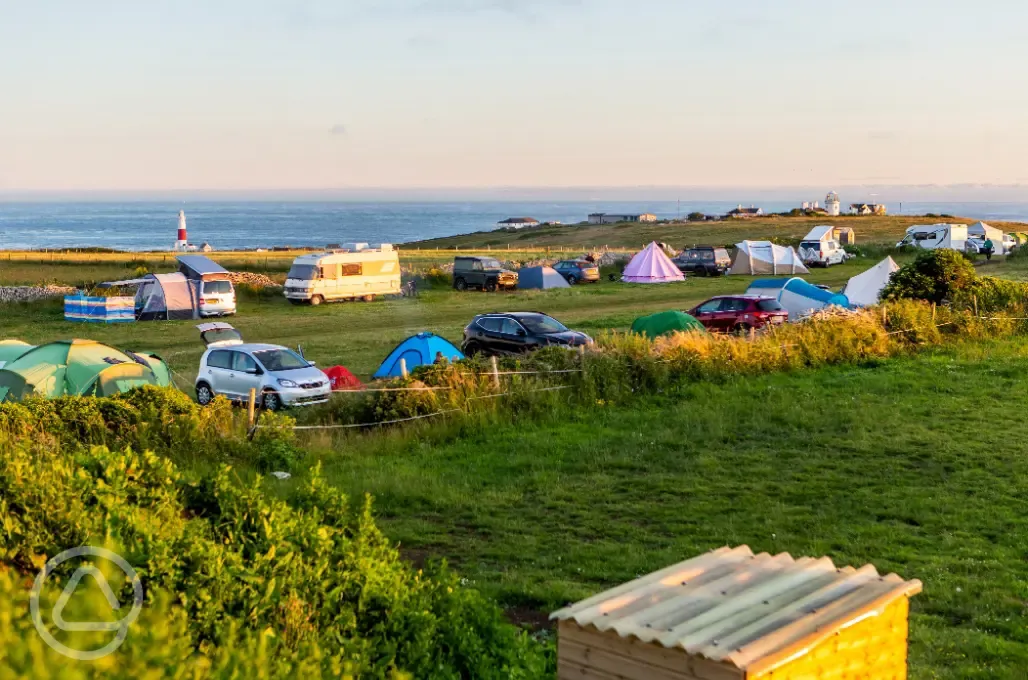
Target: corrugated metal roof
748,610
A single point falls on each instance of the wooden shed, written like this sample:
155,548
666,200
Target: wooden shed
730,614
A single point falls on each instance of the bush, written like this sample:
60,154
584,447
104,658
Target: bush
934,276
308,572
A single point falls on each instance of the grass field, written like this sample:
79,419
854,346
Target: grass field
916,465
869,230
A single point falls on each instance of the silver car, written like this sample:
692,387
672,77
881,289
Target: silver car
280,376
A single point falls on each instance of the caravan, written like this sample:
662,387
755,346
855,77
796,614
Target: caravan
345,274
936,236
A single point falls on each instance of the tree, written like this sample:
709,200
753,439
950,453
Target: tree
935,276
696,217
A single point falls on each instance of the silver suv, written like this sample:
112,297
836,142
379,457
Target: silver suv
232,368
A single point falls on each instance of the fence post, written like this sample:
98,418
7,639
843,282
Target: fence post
933,312
251,408
974,298
495,371
403,367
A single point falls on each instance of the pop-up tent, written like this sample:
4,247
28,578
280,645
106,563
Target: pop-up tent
200,267
76,367
864,289
12,349
342,379
166,296
540,278
663,323
797,296
652,265
416,350
984,231
764,257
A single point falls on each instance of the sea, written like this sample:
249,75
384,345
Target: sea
245,225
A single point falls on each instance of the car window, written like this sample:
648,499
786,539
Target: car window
722,254
352,269
709,306
707,255
692,255
305,272
491,324
734,305
217,287
542,324
220,359
490,263
769,306
815,245
510,327
462,264
477,266
280,359
242,362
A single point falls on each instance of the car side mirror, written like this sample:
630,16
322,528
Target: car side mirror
312,363
521,332
254,371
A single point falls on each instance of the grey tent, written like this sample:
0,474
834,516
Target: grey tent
166,296
200,267
540,277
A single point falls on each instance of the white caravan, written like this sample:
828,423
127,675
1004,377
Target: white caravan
936,236
345,274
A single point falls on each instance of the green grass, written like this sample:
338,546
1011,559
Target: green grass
916,465
871,229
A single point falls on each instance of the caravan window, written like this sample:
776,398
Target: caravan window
304,272
354,269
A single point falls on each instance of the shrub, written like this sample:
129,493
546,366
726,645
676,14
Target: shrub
935,276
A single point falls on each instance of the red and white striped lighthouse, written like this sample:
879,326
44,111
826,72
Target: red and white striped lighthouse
183,240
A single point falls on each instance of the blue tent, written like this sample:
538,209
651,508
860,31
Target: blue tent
797,296
416,350
540,277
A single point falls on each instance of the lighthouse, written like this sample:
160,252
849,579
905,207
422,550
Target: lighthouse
832,204
183,241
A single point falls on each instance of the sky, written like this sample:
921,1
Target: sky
232,95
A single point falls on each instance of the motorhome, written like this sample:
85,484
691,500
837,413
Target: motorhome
936,236
350,273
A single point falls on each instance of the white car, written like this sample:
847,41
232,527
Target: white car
822,253
280,376
217,298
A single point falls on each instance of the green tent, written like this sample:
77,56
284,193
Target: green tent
75,367
663,323
12,349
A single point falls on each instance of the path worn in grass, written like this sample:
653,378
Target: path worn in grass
917,465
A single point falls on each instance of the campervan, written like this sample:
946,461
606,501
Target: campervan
936,236
215,294
821,248
345,274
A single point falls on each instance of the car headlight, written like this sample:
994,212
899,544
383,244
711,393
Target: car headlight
286,383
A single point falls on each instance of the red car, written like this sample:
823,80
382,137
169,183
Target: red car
739,313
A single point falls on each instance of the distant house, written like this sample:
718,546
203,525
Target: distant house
206,247
610,218
867,209
746,212
518,222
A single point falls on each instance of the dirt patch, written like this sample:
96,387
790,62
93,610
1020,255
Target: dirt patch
526,617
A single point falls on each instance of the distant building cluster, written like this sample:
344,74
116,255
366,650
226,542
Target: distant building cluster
610,218
868,209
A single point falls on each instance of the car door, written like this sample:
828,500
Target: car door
487,333
512,335
706,313
245,374
218,370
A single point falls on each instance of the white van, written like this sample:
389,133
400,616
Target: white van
936,236
346,274
821,248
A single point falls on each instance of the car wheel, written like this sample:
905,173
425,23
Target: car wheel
490,287
742,329
472,349
572,280
271,401
460,284
369,298
293,301
204,394
316,300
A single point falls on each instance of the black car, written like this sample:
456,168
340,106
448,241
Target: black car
517,333
484,273
704,261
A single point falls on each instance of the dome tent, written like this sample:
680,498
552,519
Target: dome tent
797,296
651,265
12,349
663,323
764,257
540,278
76,367
417,350
864,289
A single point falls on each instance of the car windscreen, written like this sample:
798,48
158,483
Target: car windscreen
490,263
815,245
280,359
722,255
304,272
541,324
217,287
769,306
